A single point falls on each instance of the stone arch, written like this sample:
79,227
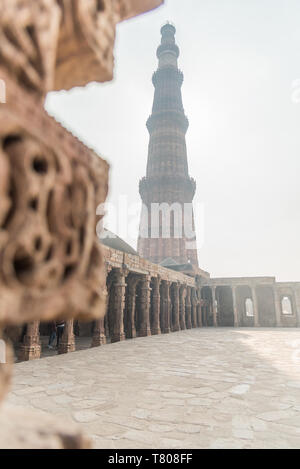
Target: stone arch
249,307
243,299
287,305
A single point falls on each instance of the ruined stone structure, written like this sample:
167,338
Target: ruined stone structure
51,263
167,180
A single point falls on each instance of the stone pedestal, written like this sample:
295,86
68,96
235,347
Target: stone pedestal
155,307
31,347
67,341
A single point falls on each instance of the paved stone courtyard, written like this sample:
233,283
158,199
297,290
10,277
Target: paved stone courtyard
200,388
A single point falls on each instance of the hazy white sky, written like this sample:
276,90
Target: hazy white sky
240,59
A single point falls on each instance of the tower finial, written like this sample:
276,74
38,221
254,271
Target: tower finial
168,29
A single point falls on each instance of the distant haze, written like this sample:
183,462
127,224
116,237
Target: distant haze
240,60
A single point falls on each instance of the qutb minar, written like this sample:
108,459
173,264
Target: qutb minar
167,179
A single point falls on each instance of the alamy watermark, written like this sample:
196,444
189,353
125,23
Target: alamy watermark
2,352
2,91
176,221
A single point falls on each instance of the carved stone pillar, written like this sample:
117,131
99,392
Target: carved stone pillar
214,306
155,307
235,307
194,309
145,290
199,314
175,309
166,305
188,309
99,336
130,330
277,304
255,307
182,295
118,305
108,303
31,347
67,342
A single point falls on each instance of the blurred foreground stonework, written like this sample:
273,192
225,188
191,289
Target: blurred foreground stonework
51,263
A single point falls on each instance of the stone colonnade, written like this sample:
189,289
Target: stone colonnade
145,299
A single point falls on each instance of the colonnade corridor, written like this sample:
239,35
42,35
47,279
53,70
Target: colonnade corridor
141,305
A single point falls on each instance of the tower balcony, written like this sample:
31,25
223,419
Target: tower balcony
172,118
167,47
183,187
167,74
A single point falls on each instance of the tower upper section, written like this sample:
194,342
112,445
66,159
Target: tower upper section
168,51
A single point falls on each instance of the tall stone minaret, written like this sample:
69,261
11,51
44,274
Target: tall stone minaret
167,180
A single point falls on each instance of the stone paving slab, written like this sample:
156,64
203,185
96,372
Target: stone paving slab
201,388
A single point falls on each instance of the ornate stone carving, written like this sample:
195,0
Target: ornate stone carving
51,263
55,44
50,259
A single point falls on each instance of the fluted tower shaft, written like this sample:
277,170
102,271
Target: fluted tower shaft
167,178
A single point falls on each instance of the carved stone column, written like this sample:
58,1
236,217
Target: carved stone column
67,342
214,306
194,309
175,309
235,307
130,330
145,290
182,295
99,336
188,309
255,307
277,304
155,307
31,347
108,303
199,313
166,305
119,289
